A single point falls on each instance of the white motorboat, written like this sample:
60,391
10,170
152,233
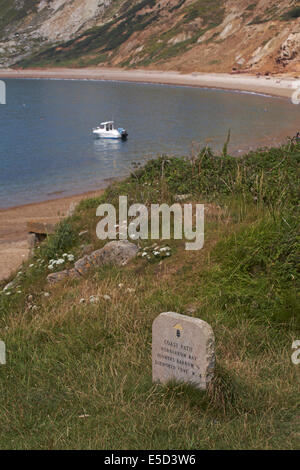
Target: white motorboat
106,130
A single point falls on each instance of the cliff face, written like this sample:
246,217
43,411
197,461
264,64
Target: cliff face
187,35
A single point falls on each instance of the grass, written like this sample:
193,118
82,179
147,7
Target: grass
292,14
79,375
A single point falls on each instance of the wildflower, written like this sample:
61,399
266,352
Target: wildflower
130,290
71,257
94,299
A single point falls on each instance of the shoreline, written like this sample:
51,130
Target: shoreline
278,86
13,230
13,227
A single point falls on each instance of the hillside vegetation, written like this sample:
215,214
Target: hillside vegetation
187,35
78,373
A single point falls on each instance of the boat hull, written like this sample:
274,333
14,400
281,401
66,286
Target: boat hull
115,135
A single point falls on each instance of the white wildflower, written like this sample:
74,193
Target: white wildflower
94,299
130,290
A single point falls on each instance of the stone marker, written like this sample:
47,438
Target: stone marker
182,350
2,353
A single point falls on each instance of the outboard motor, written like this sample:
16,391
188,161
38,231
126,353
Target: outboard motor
123,132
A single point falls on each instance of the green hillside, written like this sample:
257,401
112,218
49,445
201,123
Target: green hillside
78,374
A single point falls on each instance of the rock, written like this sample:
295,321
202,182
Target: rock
289,48
87,249
74,274
57,277
83,265
31,240
44,228
115,252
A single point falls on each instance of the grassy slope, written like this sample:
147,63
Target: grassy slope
67,359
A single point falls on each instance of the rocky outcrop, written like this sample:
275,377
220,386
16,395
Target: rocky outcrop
28,25
289,49
118,253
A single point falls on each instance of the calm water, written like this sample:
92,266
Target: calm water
47,150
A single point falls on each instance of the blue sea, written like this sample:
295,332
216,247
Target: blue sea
47,149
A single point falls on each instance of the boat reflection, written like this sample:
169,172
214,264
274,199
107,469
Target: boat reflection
111,154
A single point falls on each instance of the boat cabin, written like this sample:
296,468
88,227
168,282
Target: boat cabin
107,126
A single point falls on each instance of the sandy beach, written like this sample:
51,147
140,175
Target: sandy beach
13,232
13,228
282,86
